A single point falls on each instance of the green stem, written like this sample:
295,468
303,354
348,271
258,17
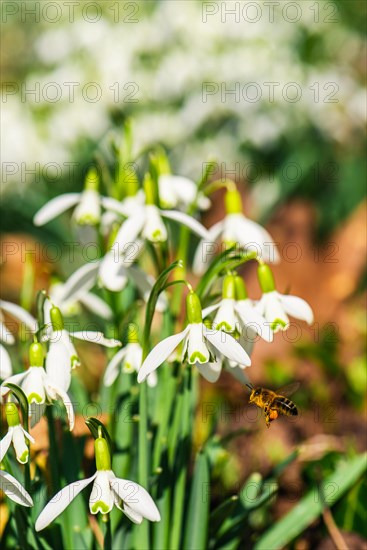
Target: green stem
182,452
53,451
143,457
107,543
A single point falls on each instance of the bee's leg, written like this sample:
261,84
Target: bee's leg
267,416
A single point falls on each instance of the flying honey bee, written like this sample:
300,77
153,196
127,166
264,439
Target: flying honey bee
274,403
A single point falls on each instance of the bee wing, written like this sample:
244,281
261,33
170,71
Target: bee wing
288,389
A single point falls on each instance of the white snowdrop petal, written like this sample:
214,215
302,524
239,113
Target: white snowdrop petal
102,498
160,353
60,501
82,280
210,371
55,207
154,229
5,364
136,498
113,367
297,308
20,313
225,318
228,346
96,337
96,305
133,516
196,227
197,349
5,443
207,249
14,490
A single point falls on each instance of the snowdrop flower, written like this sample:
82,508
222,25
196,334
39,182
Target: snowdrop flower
16,435
235,228
276,307
69,300
200,345
145,220
88,204
178,191
7,337
62,356
14,490
236,313
38,387
108,491
129,359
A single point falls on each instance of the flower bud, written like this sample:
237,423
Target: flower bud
233,202
92,180
150,189
266,278
241,291
12,415
229,287
193,308
103,458
36,355
56,319
132,334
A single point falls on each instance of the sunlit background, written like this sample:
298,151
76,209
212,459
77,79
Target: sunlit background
275,95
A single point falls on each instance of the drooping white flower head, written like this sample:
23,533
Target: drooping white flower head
88,204
276,307
127,360
180,192
237,314
70,303
200,345
14,490
16,435
235,229
145,220
108,491
38,387
62,356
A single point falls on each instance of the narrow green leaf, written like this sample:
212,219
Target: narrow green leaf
198,509
311,506
227,260
158,287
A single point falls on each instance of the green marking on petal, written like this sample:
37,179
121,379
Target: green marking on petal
157,235
74,361
278,324
128,368
23,458
34,398
88,219
100,506
197,357
224,326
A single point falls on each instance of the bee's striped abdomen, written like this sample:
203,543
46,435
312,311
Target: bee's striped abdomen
286,406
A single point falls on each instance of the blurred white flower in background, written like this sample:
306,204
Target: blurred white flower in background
159,70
